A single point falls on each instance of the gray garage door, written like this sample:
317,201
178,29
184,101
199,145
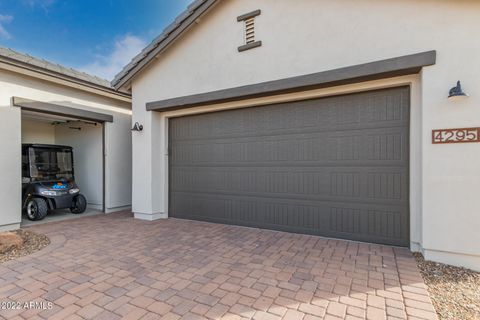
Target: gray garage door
336,166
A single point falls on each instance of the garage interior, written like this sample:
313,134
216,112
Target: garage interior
87,139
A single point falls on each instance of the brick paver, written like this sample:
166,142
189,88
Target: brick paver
113,266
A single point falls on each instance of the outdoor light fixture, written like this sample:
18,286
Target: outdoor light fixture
137,127
457,91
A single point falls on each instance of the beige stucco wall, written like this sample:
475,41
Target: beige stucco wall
117,137
318,35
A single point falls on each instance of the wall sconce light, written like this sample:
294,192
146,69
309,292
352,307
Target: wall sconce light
457,91
137,127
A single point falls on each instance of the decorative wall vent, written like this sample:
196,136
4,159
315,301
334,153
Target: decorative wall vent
249,20
249,30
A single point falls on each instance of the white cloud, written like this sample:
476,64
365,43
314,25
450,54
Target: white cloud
107,66
4,19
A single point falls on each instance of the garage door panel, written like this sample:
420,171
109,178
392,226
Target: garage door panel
328,183
355,221
363,110
388,146
335,166
282,132
317,201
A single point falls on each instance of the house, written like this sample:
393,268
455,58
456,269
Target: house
315,118
45,103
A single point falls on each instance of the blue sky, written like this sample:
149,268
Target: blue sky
95,36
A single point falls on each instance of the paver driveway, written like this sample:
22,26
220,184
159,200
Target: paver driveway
112,266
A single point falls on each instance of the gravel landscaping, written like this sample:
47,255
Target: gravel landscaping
455,292
20,243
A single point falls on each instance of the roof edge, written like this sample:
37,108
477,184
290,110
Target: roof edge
60,76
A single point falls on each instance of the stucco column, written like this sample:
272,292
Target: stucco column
10,168
147,168
451,171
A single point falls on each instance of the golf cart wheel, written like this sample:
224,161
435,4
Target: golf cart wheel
37,209
79,204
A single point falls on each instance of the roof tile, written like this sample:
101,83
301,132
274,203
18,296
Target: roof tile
54,67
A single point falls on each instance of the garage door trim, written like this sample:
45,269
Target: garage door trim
59,110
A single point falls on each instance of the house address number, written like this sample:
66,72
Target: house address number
457,135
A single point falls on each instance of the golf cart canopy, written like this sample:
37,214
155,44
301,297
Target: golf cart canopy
44,162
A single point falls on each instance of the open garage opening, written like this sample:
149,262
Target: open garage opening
63,154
